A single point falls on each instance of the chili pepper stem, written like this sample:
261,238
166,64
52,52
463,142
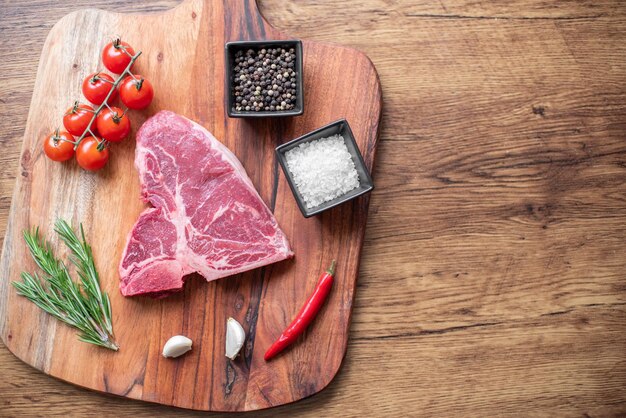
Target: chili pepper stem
331,269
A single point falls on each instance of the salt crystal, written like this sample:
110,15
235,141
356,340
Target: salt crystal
322,170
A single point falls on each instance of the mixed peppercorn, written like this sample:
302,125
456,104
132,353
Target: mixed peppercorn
264,80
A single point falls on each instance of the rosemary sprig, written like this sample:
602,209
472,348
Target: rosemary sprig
81,305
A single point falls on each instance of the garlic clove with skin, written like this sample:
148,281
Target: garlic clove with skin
235,337
176,346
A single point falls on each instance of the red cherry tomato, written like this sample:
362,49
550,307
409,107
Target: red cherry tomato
116,56
96,87
136,93
58,146
77,118
113,124
89,156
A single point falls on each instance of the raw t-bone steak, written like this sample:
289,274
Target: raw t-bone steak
206,215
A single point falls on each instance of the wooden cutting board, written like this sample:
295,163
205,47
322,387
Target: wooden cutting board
183,55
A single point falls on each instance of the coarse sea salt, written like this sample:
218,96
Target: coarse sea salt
322,170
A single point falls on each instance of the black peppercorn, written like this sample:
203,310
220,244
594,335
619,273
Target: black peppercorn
264,79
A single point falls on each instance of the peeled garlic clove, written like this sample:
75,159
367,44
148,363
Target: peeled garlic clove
235,337
176,346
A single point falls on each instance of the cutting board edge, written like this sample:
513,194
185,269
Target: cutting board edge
25,163
19,174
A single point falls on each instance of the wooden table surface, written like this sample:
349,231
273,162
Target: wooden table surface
493,278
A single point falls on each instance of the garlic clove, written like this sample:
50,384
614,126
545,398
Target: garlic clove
176,346
235,337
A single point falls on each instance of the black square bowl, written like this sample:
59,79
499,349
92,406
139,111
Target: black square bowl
342,128
231,49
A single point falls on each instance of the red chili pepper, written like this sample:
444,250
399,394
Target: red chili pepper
306,314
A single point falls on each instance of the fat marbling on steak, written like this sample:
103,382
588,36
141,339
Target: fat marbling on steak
206,215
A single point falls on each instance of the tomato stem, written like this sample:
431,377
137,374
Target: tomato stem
106,99
101,145
56,137
74,108
123,47
117,44
138,84
116,118
105,80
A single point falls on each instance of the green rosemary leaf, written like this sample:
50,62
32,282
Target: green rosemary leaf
82,258
81,304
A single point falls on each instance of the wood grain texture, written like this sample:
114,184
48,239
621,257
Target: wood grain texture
186,66
492,278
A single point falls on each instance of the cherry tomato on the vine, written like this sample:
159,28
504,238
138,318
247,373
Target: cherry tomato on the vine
113,124
90,155
136,93
59,146
116,56
96,87
77,118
